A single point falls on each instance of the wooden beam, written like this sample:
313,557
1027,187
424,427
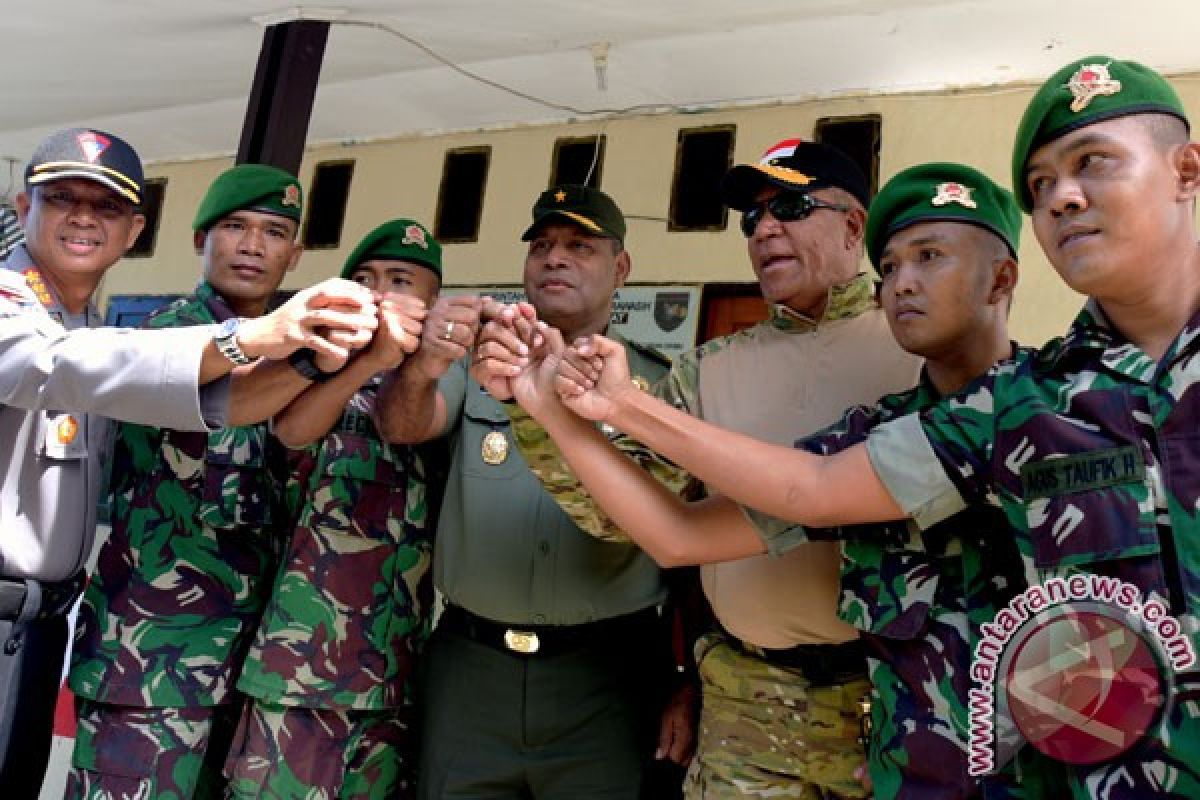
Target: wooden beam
281,99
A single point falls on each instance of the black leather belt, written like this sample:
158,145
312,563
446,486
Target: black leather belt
30,599
822,664
549,640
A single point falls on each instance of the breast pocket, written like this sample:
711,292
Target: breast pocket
360,491
1090,507
488,449
889,581
237,488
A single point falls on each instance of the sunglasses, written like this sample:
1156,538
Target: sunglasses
785,207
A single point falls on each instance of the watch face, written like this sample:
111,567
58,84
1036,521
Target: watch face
228,327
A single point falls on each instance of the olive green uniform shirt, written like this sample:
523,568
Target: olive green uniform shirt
505,550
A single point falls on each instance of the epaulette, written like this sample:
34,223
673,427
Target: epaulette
15,290
655,355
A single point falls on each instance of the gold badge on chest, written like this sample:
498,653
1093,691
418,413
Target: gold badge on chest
494,448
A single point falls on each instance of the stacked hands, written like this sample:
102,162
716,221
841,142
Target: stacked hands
519,357
337,320
516,356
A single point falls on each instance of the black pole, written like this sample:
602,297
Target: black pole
281,99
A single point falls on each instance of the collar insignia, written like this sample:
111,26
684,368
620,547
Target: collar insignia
33,279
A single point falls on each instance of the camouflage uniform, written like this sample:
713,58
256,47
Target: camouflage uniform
1093,393
920,598
765,731
331,664
178,590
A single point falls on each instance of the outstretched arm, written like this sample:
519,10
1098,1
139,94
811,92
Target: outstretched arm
673,532
411,409
305,320
786,483
314,413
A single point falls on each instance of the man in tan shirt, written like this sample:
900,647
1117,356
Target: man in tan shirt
783,676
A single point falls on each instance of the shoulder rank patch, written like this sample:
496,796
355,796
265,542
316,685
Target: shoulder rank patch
15,295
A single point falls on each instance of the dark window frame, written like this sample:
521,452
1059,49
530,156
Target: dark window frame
872,170
672,223
312,196
597,140
153,221
439,234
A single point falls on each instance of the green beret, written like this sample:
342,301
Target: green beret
252,187
941,192
398,240
1092,89
590,209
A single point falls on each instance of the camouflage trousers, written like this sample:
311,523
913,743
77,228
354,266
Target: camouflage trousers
138,753
765,732
318,754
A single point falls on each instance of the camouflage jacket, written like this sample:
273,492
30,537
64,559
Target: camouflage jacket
181,580
1090,449
546,462
920,597
352,599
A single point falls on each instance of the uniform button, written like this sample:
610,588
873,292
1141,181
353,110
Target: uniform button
544,547
540,619
12,645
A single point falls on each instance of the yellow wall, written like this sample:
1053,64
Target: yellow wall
400,178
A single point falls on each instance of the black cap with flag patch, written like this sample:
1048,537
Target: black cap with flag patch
796,165
590,209
89,154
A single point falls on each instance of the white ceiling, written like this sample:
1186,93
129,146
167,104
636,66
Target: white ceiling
172,75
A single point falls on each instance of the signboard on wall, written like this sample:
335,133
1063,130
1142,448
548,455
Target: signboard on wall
662,317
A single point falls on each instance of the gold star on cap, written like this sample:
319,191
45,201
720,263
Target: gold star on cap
560,196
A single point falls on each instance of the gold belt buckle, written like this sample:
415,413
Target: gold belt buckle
521,641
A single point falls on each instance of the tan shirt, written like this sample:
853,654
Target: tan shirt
776,383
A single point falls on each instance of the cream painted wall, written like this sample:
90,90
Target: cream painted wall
400,178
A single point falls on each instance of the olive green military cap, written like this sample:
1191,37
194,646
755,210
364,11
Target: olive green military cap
941,192
1090,90
590,209
398,240
250,187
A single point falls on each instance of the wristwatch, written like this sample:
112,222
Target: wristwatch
304,361
226,341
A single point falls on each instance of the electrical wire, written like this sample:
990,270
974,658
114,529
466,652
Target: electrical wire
541,101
